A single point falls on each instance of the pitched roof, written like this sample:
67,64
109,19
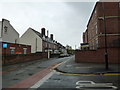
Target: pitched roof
38,33
45,38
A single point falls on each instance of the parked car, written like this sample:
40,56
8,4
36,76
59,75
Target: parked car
64,55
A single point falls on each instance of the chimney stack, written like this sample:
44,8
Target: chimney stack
43,31
51,36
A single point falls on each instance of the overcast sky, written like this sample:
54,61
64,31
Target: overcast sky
66,20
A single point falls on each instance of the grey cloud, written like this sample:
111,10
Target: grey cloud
66,20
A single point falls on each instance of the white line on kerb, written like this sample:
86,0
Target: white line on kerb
39,83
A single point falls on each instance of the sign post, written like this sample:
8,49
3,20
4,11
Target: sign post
4,46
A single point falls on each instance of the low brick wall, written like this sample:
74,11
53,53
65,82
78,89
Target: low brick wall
11,59
98,56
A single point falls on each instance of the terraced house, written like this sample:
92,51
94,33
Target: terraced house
40,42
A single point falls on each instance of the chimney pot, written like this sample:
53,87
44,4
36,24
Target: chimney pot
43,31
51,36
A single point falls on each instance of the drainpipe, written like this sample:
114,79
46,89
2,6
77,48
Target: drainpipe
106,51
36,44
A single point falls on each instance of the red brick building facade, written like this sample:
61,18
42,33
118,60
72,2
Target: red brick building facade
94,35
13,48
105,17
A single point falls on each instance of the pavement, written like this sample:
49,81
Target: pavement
86,68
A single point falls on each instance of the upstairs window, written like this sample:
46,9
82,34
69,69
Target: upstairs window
96,29
95,11
119,4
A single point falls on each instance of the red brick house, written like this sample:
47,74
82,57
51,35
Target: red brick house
9,40
94,35
105,17
13,48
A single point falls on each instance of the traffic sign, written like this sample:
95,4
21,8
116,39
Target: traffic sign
5,45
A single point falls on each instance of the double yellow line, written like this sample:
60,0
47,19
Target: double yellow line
106,74
94,74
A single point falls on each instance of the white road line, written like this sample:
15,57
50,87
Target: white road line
39,83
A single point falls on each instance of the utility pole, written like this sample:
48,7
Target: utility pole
106,51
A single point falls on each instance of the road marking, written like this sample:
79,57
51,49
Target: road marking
94,74
56,65
97,88
90,85
39,83
84,82
106,74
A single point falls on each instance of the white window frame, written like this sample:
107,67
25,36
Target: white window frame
96,29
12,50
24,50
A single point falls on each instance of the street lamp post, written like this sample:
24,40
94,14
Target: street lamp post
106,51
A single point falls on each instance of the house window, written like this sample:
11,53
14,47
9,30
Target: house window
96,29
54,46
119,4
97,43
5,29
12,51
25,50
15,40
95,11
46,44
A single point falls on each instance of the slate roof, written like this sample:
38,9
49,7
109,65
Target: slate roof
45,38
38,33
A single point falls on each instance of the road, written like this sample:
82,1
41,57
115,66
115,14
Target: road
69,81
15,73
54,79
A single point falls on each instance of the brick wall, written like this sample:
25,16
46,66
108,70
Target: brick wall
94,35
97,56
18,48
11,59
